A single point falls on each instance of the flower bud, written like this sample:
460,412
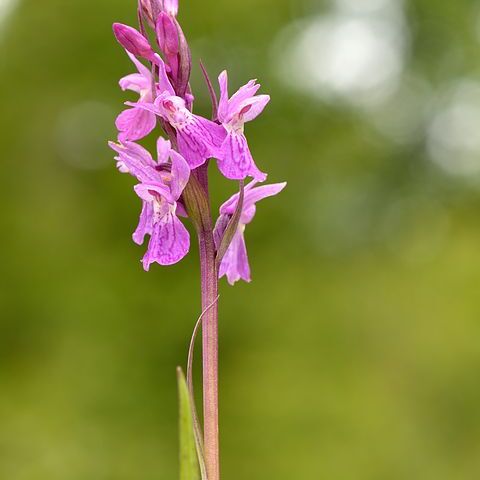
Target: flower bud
171,7
133,41
167,35
185,63
150,10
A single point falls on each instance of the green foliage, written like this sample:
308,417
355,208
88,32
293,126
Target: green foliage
189,469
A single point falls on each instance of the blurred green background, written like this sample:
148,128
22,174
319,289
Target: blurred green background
355,352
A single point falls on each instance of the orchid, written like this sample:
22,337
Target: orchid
176,184
235,261
162,183
136,123
234,158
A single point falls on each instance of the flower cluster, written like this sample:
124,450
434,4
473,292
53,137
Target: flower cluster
161,81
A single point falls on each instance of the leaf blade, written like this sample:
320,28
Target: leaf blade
189,469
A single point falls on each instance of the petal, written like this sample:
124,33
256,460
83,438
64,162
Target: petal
192,149
235,262
171,7
163,106
223,102
247,215
199,139
256,173
252,195
246,92
164,148
137,161
213,133
122,168
169,104
145,106
253,107
151,192
144,224
135,124
163,84
142,69
134,82
180,174
229,207
169,243
181,210
235,160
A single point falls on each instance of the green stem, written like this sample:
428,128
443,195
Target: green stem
198,206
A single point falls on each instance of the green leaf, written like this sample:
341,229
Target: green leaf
189,469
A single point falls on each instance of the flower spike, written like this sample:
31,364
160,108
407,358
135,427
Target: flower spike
175,184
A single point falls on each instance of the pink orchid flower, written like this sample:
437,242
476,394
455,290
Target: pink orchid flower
161,185
136,123
234,158
235,262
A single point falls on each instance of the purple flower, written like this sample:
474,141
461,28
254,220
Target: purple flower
136,123
161,185
198,138
235,262
234,158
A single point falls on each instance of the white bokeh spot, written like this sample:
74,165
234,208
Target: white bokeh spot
453,141
356,53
